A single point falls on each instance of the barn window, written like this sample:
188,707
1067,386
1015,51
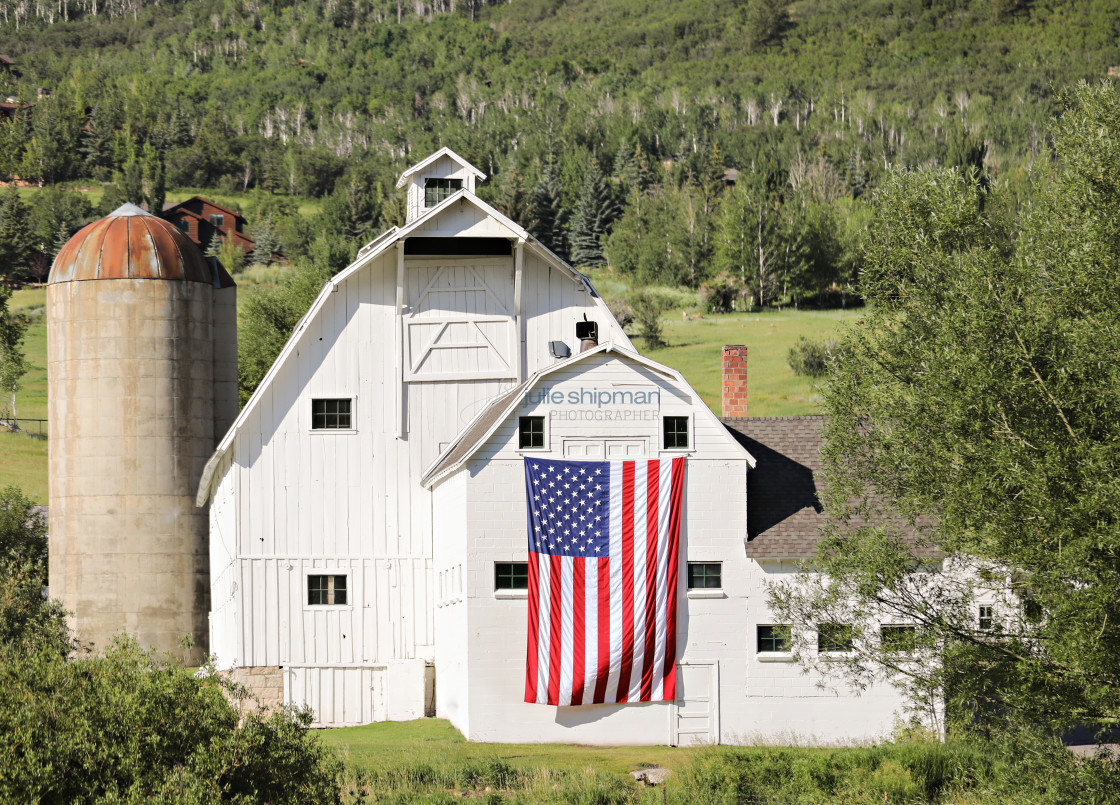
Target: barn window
834,637
897,638
530,433
331,414
436,190
217,219
326,590
705,575
676,432
511,575
184,226
773,638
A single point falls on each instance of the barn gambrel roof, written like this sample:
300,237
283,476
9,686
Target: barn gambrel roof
490,418
372,250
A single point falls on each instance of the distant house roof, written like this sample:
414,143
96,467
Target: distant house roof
730,176
169,206
784,491
6,60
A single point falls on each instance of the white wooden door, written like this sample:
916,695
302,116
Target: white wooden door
696,717
338,696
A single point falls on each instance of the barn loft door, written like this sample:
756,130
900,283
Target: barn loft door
459,324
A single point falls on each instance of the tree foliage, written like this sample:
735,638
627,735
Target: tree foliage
979,402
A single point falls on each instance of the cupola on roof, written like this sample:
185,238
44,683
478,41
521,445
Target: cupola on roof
130,244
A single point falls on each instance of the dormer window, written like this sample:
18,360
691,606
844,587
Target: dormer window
436,190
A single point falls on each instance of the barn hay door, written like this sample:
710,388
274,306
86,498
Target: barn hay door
459,323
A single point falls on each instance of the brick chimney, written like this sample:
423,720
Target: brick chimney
734,380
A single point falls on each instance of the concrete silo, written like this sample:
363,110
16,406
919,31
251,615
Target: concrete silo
142,374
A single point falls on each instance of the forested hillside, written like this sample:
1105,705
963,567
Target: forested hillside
605,126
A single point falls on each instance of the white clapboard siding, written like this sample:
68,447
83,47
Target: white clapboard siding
338,696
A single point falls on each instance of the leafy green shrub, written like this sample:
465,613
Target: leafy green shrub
811,358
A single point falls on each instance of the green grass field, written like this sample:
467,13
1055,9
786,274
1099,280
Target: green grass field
428,761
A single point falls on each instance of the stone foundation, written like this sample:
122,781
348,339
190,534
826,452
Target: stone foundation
265,684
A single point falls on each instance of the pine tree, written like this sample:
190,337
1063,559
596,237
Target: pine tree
513,200
157,185
16,240
265,241
595,213
546,212
132,182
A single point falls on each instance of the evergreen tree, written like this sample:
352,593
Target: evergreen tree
265,241
132,182
157,184
13,364
594,215
513,200
96,142
546,211
16,238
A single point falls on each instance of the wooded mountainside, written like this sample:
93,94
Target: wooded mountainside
603,125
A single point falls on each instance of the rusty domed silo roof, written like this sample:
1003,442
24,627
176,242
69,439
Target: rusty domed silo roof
130,244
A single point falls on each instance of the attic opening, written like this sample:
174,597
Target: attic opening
436,190
472,247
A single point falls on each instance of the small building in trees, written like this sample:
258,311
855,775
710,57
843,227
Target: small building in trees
369,554
202,220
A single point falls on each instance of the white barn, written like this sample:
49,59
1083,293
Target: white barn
368,512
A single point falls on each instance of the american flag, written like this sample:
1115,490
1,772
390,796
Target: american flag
603,543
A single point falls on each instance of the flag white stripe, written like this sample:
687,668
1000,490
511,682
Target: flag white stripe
641,480
591,628
544,623
665,484
616,580
567,612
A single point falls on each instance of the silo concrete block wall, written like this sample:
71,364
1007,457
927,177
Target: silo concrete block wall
225,360
131,372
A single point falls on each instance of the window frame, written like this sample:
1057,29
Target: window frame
352,400
329,573
828,649
544,432
783,653
689,432
705,591
986,618
511,592
896,629
220,219
435,183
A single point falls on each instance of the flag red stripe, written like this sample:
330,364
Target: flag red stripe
534,627
555,638
652,522
604,608
578,630
672,534
627,581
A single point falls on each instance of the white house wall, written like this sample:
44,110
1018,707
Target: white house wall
760,697
289,500
452,641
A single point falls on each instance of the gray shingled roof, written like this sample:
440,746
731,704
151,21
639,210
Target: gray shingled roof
784,491
783,506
